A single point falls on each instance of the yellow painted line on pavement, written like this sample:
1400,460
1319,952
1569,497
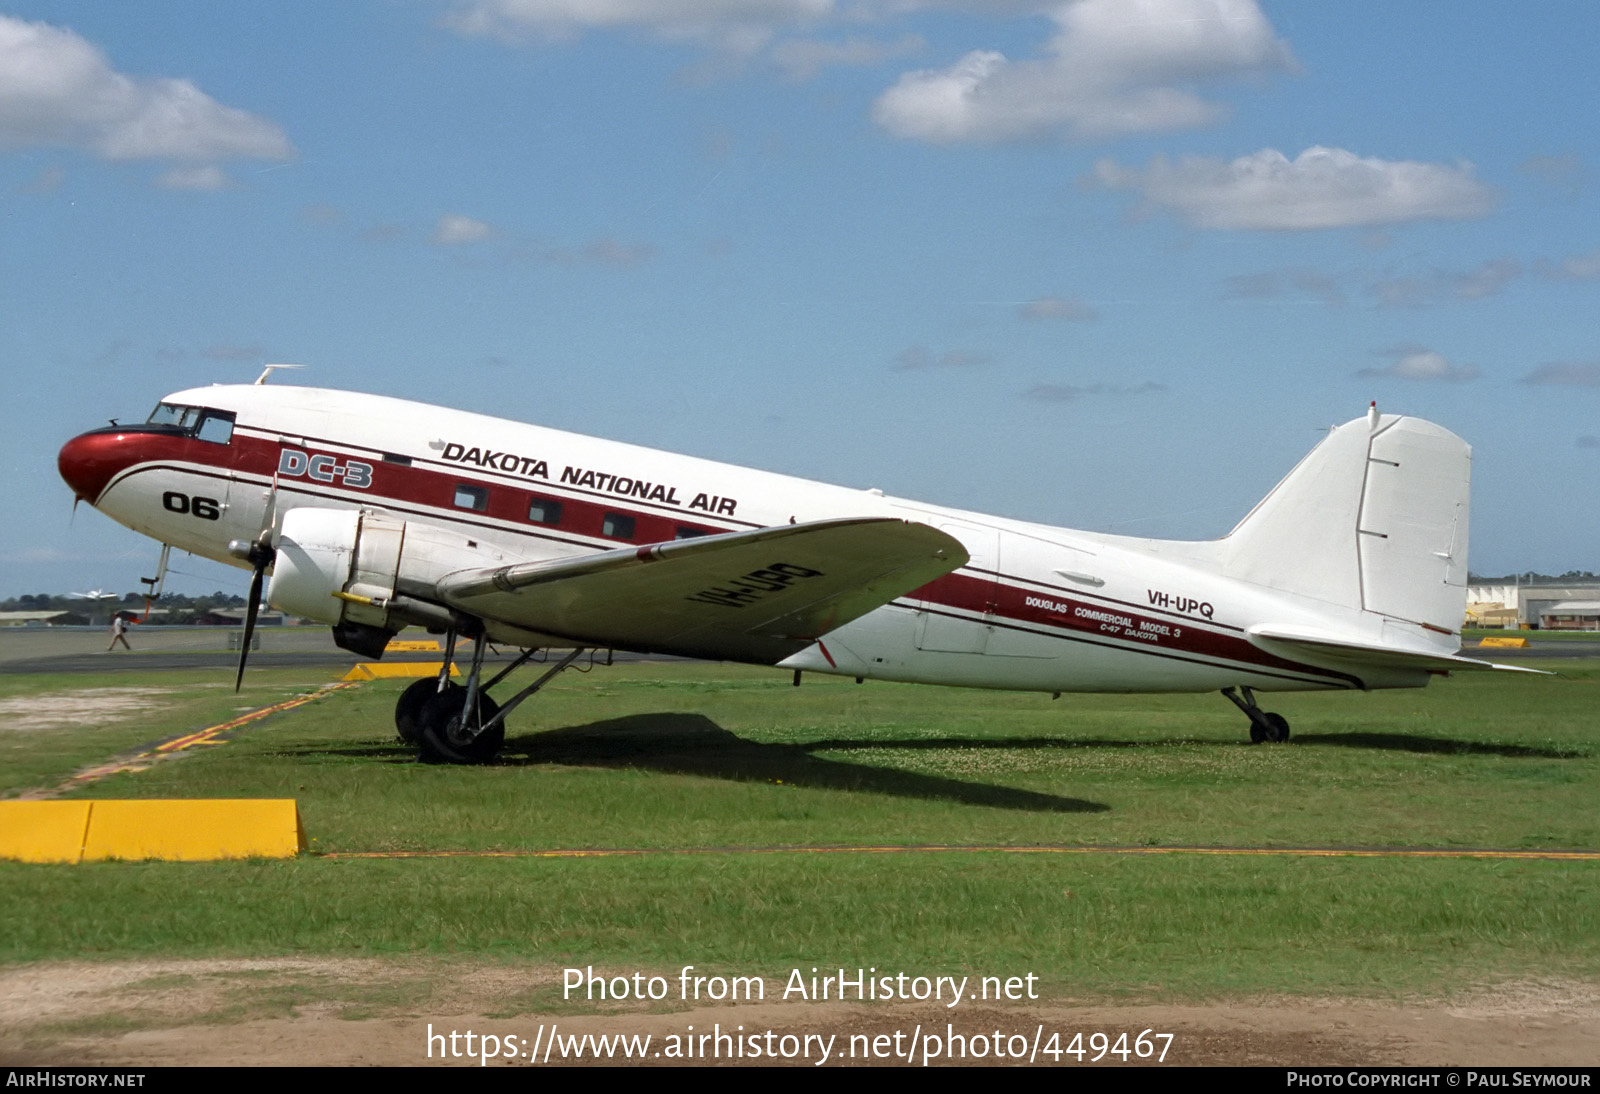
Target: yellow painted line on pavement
208,736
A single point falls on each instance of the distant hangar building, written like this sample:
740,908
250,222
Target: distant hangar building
1571,615
1566,606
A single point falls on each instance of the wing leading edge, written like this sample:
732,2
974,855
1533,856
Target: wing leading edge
746,596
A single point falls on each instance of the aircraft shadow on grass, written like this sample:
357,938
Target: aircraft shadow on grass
1395,742
840,744
692,744
1444,746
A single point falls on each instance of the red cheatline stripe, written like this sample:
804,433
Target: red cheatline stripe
1037,849
1162,634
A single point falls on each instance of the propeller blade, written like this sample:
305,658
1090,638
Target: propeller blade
260,553
250,621
269,516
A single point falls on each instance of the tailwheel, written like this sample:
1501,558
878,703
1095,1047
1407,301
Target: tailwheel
1270,728
1266,727
446,736
408,709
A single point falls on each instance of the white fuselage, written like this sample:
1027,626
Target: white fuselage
1035,608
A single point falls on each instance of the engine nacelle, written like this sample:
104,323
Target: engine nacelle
343,567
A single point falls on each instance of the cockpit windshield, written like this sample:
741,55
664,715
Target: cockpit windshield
215,426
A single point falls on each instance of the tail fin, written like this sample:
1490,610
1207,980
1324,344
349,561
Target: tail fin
1374,518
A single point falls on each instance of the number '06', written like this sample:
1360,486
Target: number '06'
204,508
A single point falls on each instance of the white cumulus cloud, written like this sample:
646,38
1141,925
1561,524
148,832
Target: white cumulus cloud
1320,188
1413,362
58,89
1113,67
453,228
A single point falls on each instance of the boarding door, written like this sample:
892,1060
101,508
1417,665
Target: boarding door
955,612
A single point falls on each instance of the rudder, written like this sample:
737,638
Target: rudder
1375,517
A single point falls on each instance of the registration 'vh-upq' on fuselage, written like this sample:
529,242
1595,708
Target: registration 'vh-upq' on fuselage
373,514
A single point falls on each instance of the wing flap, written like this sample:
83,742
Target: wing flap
749,596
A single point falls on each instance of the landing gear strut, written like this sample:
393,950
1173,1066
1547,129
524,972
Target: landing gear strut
1265,726
460,724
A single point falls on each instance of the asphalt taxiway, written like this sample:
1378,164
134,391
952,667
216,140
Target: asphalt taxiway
161,649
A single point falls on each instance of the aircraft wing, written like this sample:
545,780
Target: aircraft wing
749,596
1303,641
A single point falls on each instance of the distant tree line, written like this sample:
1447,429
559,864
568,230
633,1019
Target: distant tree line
1532,578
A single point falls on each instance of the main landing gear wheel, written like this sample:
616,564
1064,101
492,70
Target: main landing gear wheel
408,709
1270,729
446,736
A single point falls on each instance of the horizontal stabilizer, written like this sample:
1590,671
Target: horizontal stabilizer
1299,642
749,596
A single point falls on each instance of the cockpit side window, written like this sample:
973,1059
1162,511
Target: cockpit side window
167,414
215,426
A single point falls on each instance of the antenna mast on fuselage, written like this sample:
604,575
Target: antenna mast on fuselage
265,372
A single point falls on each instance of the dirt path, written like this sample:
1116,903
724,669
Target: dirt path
333,1011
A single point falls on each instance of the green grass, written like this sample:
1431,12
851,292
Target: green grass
167,704
1090,927
696,756
707,756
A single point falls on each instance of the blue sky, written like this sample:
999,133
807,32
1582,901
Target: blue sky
1110,265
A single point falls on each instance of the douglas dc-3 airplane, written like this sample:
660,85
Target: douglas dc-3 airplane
373,514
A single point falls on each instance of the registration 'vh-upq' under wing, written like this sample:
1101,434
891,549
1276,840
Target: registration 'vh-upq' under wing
373,514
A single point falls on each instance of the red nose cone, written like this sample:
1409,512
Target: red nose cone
89,462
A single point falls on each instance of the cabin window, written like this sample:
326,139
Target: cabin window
395,457
685,532
617,526
544,511
475,498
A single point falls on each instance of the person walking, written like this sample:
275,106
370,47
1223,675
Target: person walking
119,626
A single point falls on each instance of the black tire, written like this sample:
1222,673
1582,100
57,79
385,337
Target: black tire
408,708
1275,729
440,740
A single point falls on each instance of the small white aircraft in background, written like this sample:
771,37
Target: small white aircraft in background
94,597
373,514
